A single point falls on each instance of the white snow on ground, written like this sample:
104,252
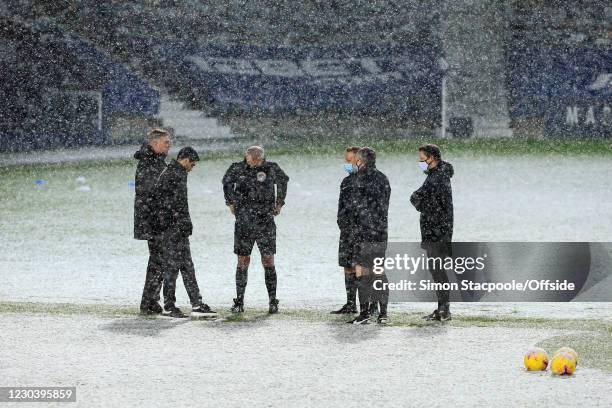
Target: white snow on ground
549,310
60,244
67,155
278,362
86,154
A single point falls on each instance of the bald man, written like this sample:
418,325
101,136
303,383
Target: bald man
250,194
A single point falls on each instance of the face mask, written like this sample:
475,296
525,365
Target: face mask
350,168
423,165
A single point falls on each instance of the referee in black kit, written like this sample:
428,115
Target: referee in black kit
250,194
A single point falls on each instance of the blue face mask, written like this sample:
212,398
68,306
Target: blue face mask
423,165
350,168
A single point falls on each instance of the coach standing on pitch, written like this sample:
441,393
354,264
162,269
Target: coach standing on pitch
249,189
173,222
372,194
151,162
347,225
434,200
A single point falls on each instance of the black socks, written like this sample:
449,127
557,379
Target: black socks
364,287
242,274
367,293
242,277
350,283
381,295
270,277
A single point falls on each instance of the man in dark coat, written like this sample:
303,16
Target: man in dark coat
372,194
173,224
249,189
346,223
151,162
434,200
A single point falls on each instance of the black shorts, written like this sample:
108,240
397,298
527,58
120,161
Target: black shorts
365,253
346,249
247,234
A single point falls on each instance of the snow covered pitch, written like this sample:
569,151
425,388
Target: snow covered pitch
69,261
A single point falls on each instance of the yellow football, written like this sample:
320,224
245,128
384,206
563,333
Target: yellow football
569,350
536,359
563,363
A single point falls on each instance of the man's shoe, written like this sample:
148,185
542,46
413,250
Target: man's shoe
363,318
434,316
152,309
238,306
373,308
174,312
348,308
146,312
382,319
156,308
445,315
273,309
203,310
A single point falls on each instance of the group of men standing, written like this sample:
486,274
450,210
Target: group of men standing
363,209
363,221
255,191
161,217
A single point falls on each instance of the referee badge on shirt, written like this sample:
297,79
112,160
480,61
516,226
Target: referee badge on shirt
261,176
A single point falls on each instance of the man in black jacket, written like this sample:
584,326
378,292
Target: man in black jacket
151,162
174,226
249,189
372,194
346,223
434,200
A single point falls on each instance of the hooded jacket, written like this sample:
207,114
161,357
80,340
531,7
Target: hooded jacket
371,206
434,200
172,204
150,165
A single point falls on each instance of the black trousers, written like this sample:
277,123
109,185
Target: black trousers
177,258
439,250
346,250
153,280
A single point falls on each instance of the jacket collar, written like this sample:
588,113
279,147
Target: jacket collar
368,170
174,163
146,152
246,165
